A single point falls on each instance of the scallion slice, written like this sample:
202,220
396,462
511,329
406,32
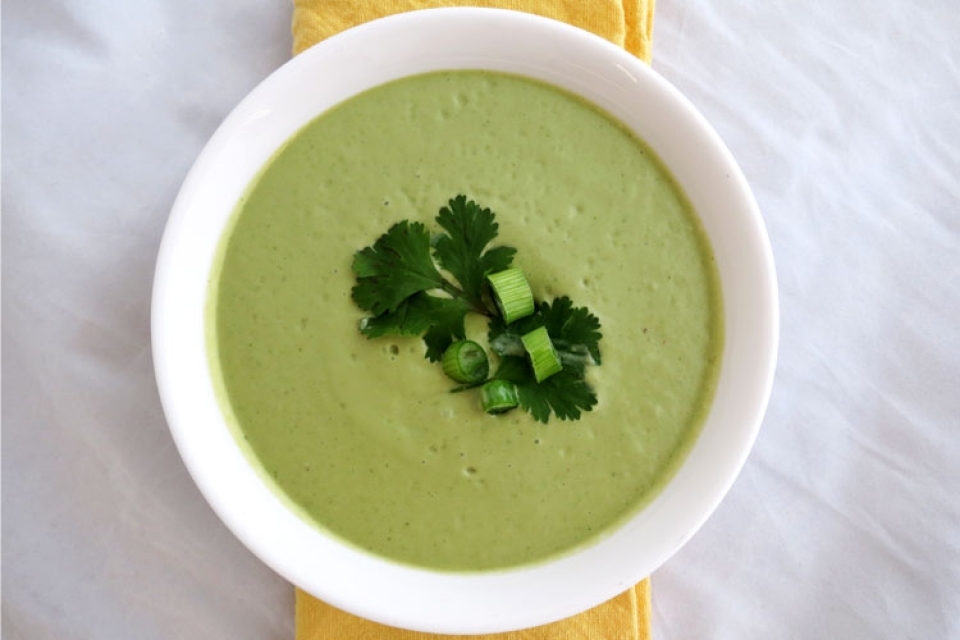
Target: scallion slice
512,293
465,361
498,396
543,356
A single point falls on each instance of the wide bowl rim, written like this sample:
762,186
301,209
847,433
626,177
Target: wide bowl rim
420,599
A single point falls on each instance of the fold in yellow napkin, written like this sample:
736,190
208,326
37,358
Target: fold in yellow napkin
627,23
626,617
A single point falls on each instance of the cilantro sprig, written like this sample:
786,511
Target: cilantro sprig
403,283
462,249
398,280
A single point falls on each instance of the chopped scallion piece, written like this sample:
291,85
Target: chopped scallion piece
498,396
543,356
512,293
465,361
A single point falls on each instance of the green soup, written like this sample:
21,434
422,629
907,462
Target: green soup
361,437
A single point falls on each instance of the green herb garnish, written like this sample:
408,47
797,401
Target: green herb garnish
402,281
565,394
511,292
542,354
574,331
575,334
395,274
465,361
498,396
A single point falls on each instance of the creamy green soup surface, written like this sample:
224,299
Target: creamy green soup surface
361,437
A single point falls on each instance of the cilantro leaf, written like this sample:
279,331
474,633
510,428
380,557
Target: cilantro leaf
571,326
448,326
565,394
412,317
439,319
469,229
574,331
397,266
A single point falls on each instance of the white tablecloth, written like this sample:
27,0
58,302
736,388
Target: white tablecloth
845,115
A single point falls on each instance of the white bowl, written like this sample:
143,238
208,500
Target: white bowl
370,55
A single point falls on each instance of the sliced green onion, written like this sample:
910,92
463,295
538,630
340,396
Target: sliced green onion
542,354
498,396
466,361
512,293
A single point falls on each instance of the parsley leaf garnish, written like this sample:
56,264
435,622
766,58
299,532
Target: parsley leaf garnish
401,282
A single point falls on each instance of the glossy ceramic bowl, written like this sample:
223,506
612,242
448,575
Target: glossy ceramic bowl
370,55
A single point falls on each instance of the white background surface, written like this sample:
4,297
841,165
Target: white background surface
845,117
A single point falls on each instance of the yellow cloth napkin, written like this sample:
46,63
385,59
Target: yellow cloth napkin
626,23
626,617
